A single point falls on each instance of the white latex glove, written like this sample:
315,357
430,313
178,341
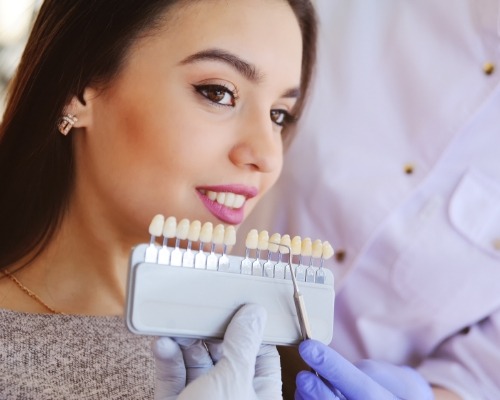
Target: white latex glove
236,368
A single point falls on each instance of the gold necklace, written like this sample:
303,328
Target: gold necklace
30,293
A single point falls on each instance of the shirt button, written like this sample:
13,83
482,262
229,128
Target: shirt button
488,68
408,169
496,244
340,255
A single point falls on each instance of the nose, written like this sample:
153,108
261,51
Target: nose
259,145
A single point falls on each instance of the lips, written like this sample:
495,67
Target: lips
227,202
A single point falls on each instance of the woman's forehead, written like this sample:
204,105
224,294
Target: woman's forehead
258,31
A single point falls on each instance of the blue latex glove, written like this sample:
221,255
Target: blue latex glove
369,380
239,367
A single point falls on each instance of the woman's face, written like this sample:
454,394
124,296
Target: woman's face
192,125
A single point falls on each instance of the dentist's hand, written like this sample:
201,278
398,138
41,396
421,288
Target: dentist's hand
369,380
239,367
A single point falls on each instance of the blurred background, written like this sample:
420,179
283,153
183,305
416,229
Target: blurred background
16,17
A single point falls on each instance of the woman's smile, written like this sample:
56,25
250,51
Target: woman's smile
227,202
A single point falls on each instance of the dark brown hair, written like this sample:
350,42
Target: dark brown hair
73,43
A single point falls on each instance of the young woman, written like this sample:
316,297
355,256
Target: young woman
121,110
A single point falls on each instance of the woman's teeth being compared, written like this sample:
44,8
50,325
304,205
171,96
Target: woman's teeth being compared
227,199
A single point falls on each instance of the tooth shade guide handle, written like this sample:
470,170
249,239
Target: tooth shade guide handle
194,231
193,235
229,240
251,243
217,239
252,240
306,250
200,259
295,247
181,234
168,231
274,246
155,230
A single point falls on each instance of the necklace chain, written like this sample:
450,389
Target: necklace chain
30,293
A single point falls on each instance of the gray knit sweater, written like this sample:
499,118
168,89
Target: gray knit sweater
70,357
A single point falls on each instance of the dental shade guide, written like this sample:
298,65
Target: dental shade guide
305,251
251,243
200,259
155,230
169,230
229,240
280,267
167,296
217,239
181,234
272,248
192,237
327,252
311,269
262,244
295,248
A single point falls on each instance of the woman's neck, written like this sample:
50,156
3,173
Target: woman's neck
79,272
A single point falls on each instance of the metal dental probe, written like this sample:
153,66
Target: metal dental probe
298,299
300,306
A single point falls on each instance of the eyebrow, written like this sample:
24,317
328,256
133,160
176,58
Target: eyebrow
245,68
248,70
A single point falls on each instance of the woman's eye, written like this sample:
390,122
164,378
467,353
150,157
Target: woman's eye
281,117
217,94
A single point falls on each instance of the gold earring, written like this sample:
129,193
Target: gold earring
66,123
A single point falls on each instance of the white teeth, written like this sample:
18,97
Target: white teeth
221,197
212,195
239,200
230,197
227,199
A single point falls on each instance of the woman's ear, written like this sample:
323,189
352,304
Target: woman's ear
80,108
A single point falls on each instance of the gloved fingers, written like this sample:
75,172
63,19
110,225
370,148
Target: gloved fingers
242,348
196,357
244,335
267,380
170,368
340,373
311,387
233,375
403,381
298,396
215,349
